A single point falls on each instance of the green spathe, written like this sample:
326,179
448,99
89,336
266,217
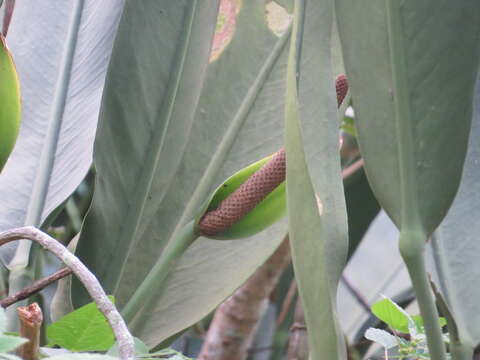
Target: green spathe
10,103
266,213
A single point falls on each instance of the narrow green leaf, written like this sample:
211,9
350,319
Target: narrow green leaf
85,329
311,234
455,246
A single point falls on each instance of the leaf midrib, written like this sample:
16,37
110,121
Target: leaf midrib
47,158
134,216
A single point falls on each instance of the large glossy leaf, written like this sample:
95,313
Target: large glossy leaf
319,241
237,121
61,50
152,89
456,245
440,46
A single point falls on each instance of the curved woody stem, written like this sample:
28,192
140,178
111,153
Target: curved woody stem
123,336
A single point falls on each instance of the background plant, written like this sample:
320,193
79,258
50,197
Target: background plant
188,101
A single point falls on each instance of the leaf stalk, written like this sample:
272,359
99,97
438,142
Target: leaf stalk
413,235
153,284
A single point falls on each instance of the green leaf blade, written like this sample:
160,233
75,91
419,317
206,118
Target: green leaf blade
317,255
85,329
439,93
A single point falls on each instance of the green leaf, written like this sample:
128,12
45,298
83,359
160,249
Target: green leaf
392,315
85,329
397,318
10,102
417,319
382,337
319,243
9,343
438,90
237,121
455,246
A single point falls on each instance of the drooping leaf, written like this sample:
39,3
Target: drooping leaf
10,103
84,329
235,123
319,241
455,245
441,47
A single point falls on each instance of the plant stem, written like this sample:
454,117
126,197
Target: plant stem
35,287
154,282
411,249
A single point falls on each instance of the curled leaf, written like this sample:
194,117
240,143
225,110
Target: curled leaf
247,202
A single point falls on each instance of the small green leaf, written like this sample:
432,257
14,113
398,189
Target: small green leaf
417,319
85,329
9,343
397,318
382,337
392,315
